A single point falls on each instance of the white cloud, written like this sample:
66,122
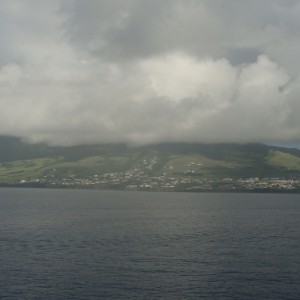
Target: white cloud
178,76
98,71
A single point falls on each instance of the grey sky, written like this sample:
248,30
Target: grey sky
144,71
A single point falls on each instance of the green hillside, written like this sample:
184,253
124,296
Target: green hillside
283,160
156,167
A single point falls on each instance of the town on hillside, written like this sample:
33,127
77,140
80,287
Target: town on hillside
140,179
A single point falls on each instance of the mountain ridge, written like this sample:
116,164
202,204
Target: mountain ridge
13,148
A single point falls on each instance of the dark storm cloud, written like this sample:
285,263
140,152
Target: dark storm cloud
146,71
120,30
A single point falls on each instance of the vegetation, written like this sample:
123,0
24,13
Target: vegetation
283,160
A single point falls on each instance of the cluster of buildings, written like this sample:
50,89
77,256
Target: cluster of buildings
138,179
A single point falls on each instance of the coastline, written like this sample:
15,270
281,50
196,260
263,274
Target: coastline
63,187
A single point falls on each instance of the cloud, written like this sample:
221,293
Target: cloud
131,71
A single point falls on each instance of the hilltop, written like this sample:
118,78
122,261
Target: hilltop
168,166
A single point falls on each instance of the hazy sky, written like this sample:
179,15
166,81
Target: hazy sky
144,71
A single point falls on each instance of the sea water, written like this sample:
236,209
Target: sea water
87,244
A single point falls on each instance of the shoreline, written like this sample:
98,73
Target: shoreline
233,191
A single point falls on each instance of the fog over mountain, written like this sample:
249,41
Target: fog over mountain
147,71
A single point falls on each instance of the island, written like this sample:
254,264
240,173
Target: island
177,167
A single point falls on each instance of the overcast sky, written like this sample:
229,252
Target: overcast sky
147,71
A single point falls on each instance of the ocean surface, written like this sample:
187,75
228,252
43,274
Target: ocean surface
86,244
